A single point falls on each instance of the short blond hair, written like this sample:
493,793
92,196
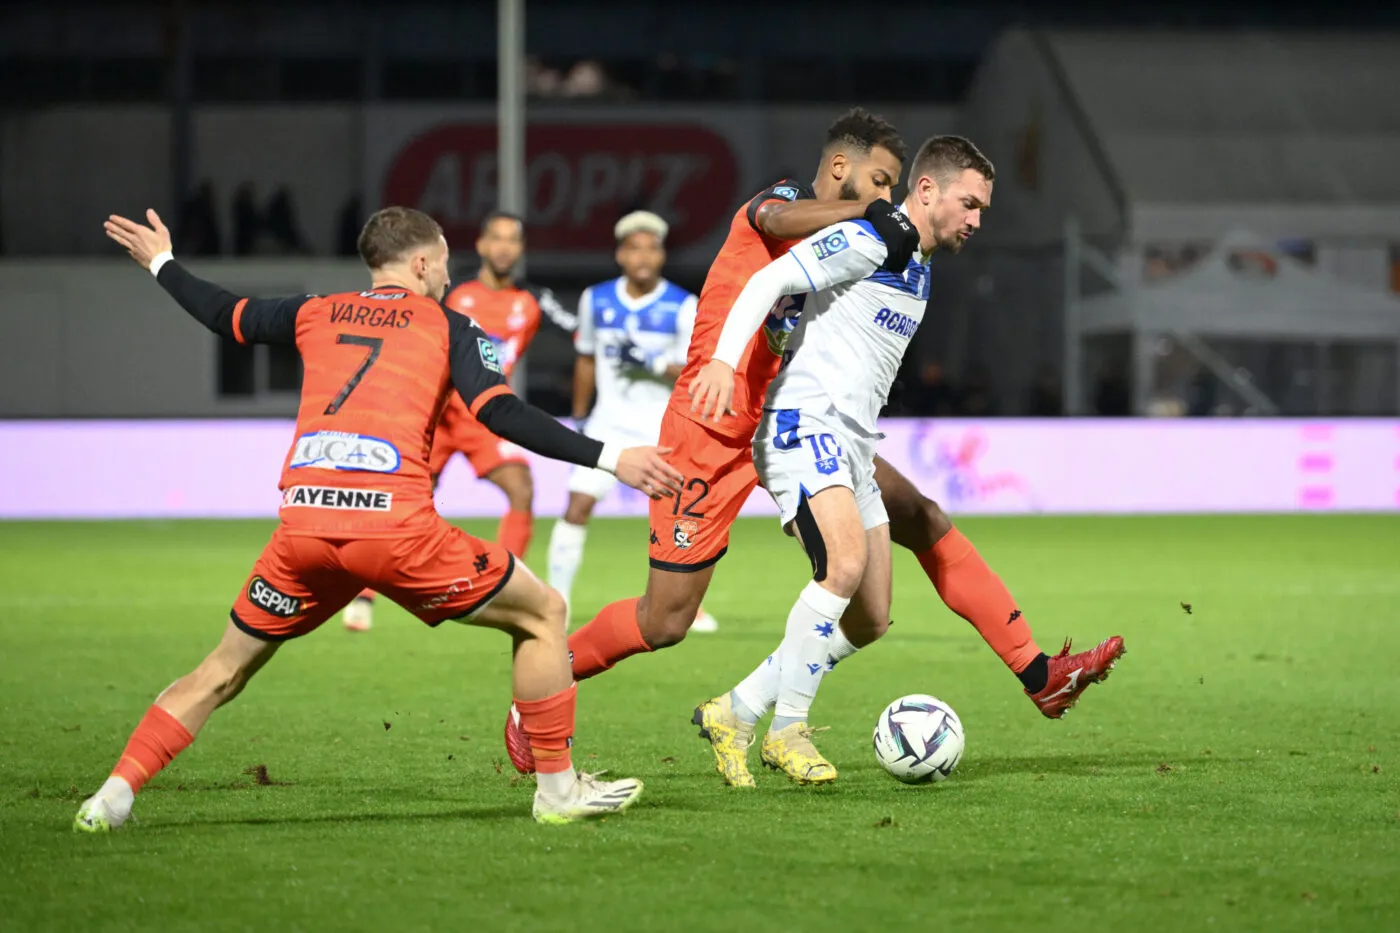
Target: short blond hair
641,222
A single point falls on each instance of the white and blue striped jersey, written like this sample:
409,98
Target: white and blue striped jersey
854,327
660,323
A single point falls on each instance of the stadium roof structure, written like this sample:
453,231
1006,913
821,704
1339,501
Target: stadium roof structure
1145,135
1246,287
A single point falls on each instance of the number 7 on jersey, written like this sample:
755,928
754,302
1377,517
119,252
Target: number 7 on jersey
375,344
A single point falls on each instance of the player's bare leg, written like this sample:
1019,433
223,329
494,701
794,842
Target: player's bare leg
518,524
566,542
971,589
171,724
658,619
545,696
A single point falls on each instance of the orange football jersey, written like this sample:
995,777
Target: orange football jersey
745,251
378,365
510,316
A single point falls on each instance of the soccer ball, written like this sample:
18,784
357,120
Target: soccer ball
919,739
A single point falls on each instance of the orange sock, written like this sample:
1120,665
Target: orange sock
154,744
515,532
970,588
549,724
611,636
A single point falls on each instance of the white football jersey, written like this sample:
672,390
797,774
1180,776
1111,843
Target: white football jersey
660,323
855,326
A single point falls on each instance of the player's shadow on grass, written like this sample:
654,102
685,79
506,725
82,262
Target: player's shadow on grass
1107,764
502,812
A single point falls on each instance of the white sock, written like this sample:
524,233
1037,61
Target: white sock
118,794
839,650
565,555
802,657
755,694
557,784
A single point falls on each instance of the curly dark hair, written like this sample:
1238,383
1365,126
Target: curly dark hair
860,128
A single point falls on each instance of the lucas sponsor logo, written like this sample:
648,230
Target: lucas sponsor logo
333,450
328,497
272,600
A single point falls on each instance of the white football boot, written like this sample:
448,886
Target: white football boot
588,798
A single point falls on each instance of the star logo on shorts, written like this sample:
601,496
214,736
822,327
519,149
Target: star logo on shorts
481,562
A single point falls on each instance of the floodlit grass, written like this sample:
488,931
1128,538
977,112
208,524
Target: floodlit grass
1237,772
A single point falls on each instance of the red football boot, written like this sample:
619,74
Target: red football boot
518,744
1070,674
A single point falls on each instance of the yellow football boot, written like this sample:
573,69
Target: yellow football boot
790,750
730,738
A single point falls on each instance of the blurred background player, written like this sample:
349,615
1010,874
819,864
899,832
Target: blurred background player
640,324
357,500
510,313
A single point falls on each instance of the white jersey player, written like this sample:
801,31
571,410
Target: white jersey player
815,447
632,336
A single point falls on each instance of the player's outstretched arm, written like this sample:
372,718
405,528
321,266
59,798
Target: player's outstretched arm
845,252
247,320
550,306
477,375
712,389
795,220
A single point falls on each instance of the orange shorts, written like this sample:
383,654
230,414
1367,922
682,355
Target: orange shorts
457,432
299,582
690,532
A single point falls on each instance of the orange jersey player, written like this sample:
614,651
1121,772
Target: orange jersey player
860,164
357,499
510,315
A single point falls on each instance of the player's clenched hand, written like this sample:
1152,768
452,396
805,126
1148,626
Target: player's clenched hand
142,242
712,390
897,230
642,468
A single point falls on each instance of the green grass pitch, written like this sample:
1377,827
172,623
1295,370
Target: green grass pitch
1237,772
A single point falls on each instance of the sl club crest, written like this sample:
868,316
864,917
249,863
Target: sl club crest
683,535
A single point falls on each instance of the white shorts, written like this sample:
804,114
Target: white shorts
799,453
598,483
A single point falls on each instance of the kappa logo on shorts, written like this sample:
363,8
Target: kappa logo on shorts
684,533
328,497
272,600
481,562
